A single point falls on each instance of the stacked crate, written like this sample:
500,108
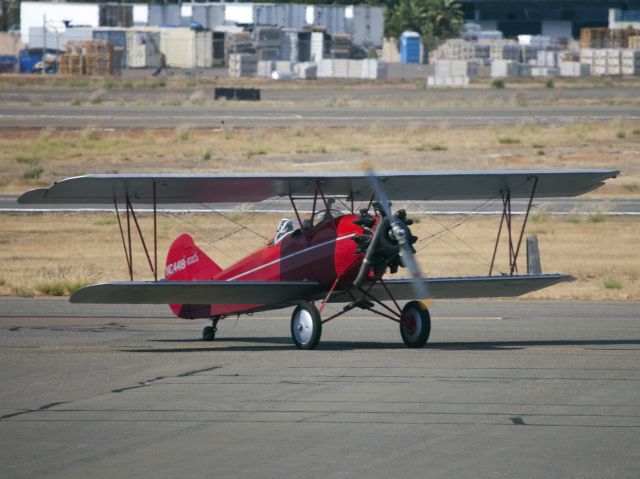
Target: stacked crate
72,61
599,67
456,50
614,61
504,51
243,65
455,68
593,37
606,38
546,58
267,41
630,59
101,59
240,43
340,46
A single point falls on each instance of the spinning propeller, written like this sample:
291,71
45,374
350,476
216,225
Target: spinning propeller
391,244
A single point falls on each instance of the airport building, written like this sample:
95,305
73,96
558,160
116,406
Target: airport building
553,18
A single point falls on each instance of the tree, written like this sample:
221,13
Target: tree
435,20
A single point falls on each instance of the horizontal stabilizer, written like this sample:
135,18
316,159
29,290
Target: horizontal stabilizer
466,287
419,186
196,292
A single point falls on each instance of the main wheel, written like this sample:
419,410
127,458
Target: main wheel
306,326
209,333
415,325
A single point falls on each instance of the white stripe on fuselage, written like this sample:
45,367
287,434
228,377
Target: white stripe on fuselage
302,251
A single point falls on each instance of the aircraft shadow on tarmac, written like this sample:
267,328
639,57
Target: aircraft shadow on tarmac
281,343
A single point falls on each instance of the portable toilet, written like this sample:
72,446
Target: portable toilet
410,47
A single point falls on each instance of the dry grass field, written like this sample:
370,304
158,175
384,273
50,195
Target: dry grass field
56,253
31,159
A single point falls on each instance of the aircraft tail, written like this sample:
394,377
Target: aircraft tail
187,262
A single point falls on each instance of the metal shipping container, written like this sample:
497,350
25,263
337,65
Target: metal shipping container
164,15
143,49
291,15
113,15
366,26
185,48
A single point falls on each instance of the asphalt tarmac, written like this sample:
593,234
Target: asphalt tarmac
504,389
117,117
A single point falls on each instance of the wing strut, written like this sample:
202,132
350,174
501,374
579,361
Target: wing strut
126,244
507,218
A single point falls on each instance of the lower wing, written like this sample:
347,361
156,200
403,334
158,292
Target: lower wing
464,287
279,292
196,292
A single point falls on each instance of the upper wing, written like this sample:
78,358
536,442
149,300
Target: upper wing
167,188
465,287
196,292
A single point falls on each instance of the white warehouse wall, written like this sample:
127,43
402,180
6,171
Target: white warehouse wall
32,14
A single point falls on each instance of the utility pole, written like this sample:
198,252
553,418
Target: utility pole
44,42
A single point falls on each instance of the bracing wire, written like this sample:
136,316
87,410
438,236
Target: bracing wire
437,236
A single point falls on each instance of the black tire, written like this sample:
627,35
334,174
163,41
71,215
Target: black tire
306,326
208,333
415,325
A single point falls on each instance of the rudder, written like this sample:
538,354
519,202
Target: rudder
187,262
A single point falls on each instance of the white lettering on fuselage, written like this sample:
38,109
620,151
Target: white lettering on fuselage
181,264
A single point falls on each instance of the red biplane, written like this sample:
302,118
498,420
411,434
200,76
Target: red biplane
331,256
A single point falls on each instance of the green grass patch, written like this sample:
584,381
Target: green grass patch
635,131
206,156
549,83
59,287
109,221
76,102
612,283
22,292
32,173
51,288
498,83
430,147
171,102
27,159
621,134
183,132
154,84
257,152
508,140
354,148
539,218
596,218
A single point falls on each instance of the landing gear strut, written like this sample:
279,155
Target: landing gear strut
209,333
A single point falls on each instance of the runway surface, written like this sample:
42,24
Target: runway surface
118,117
504,389
561,206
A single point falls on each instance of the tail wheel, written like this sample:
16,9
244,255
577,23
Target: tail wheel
415,325
209,333
306,326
